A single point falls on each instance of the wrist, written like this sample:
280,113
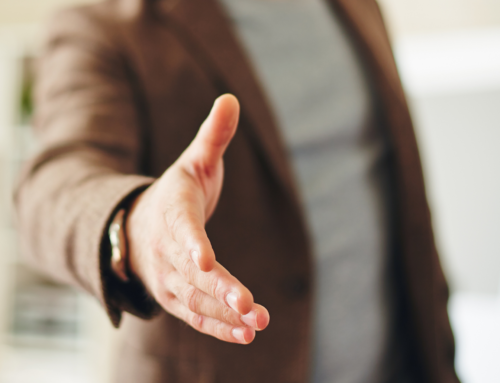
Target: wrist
122,242
133,231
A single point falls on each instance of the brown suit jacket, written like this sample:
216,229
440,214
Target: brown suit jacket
123,88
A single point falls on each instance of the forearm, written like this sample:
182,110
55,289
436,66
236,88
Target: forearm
64,205
90,131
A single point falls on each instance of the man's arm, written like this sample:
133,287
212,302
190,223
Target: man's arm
89,127
169,248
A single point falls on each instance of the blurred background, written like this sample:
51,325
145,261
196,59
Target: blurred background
448,52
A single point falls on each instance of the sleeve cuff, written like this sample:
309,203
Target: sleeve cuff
115,295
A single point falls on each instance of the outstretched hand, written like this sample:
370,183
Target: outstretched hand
169,250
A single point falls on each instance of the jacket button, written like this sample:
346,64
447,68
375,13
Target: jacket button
298,287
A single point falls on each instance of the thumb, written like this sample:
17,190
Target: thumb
215,133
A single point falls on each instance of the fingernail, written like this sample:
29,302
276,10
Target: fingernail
232,301
239,335
250,319
195,257
262,320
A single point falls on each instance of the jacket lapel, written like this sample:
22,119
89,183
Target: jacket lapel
418,253
365,22
207,32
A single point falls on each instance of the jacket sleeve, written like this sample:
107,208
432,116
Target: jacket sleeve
90,133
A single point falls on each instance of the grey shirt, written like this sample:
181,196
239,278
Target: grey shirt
321,98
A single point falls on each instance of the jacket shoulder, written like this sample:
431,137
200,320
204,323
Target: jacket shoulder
98,22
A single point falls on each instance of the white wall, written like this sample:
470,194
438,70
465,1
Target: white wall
453,80
409,17
31,11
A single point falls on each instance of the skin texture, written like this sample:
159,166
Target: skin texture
169,250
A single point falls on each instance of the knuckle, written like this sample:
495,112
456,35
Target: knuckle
185,268
226,315
171,306
215,288
203,169
197,322
160,280
175,290
155,244
219,330
169,297
191,299
167,302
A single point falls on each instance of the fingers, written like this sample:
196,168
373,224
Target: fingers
218,282
188,250
210,326
214,135
201,303
258,317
